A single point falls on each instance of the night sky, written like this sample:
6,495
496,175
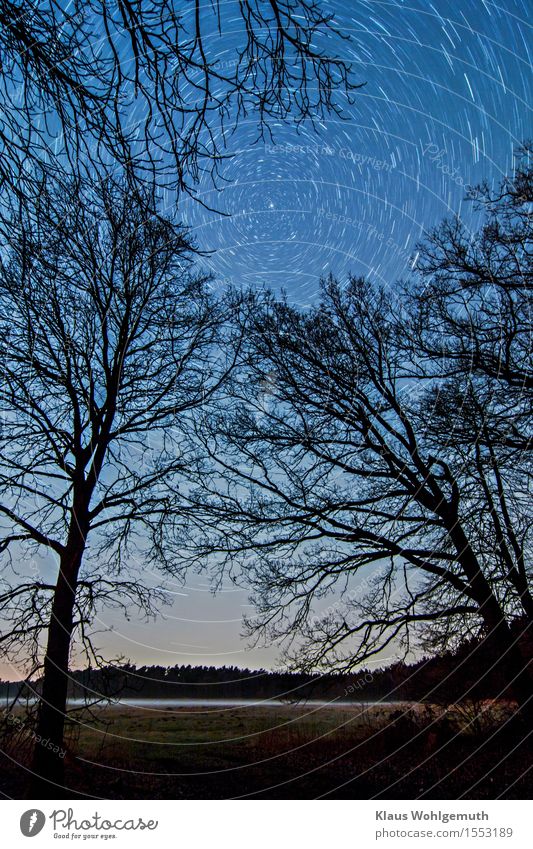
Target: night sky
446,102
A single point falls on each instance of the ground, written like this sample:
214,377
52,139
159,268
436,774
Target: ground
286,751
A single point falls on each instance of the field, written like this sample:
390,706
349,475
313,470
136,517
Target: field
377,751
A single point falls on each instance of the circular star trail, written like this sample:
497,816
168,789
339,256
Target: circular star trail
444,105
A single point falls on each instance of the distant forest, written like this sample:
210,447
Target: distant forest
451,677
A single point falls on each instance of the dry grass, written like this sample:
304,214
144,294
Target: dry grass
291,751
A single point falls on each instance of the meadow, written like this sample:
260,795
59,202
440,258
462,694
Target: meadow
287,751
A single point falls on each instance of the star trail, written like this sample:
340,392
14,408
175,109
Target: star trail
446,101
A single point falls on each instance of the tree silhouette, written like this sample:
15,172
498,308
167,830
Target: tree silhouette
341,480
474,305
143,83
110,344
473,326
108,341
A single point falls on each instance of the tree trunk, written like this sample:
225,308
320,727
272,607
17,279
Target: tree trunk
513,667
48,759
520,669
504,646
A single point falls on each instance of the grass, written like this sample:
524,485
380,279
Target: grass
289,751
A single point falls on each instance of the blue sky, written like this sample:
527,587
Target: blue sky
446,101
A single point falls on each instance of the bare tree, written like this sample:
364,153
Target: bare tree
156,87
331,478
107,339
472,325
474,304
110,344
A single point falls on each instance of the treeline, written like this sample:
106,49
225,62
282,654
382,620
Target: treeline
453,676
